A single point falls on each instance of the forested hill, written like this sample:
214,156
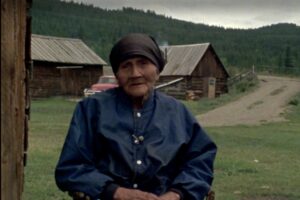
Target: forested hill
273,46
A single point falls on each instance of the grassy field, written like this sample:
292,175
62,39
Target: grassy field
48,126
258,162
253,162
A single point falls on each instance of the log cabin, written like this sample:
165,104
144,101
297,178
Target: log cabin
62,66
192,72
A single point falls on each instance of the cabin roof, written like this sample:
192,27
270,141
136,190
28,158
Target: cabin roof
183,59
63,50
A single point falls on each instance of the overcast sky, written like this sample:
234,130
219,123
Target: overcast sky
226,13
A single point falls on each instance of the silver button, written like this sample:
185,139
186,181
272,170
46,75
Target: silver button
141,138
135,185
139,162
138,114
136,141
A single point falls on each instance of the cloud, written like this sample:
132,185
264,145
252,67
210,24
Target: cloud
228,13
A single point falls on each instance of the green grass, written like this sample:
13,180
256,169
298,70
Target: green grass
48,125
259,162
253,162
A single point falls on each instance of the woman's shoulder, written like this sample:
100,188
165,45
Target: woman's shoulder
169,101
101,98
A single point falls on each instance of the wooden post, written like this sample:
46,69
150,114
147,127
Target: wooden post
13,97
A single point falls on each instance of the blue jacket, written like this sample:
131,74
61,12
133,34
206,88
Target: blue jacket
155,149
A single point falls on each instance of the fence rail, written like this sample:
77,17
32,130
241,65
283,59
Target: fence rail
250,75
169,83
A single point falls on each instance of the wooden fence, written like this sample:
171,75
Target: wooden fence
250,75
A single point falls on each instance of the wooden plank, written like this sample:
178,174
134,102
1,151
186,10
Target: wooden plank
50,81
13,75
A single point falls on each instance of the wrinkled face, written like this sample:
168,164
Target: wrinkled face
137,76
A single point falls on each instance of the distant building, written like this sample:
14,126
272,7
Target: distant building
62,66
107,71
192,72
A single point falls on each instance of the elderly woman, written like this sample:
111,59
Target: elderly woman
133,142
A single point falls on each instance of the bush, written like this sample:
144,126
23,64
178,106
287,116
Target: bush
294,102
244,86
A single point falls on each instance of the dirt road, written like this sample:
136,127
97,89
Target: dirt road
266,104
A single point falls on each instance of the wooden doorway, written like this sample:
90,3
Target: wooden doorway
209,87
70,81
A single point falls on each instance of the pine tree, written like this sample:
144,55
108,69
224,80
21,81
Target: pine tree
288,61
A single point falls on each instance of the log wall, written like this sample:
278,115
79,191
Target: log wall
48,80
177,90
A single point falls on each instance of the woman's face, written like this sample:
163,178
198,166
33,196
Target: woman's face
137,76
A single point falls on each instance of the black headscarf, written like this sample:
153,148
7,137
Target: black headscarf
136,44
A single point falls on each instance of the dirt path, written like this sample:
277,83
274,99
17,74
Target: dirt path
263,105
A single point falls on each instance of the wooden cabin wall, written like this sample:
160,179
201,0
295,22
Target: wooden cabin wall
195,85
74,81
48,80
191,87
45,81
215,69
221,86
14,116
177,90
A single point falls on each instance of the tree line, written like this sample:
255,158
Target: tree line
276,46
